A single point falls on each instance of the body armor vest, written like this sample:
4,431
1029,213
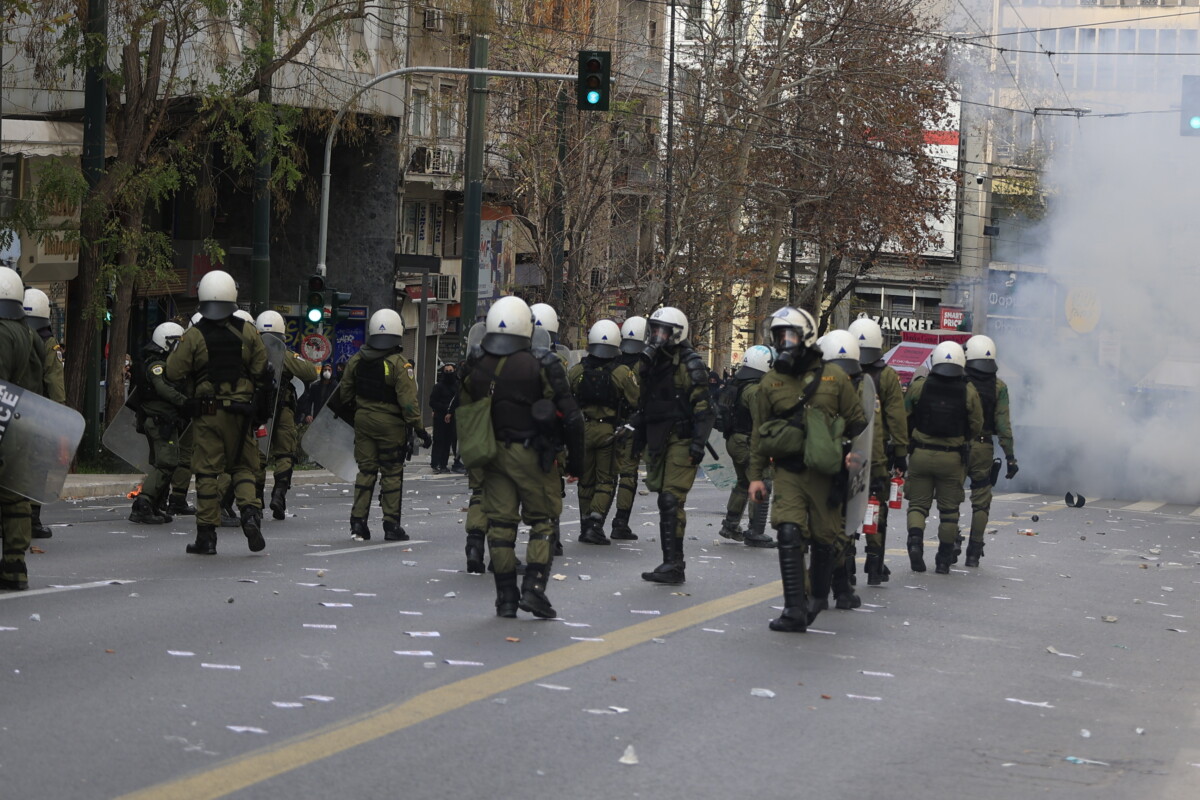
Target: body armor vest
942,408
370,381
743,422
517,387
986,386
596,385
662,402
224,347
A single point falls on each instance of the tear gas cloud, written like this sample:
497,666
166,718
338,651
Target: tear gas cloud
1102,352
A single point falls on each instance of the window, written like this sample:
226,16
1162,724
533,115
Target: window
448,113
8,185
652,33
387,20
418,121
695,16
421,228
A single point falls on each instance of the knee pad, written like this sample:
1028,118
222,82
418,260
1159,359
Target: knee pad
789,535
668,503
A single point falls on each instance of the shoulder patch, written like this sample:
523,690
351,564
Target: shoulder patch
58,351
412,373
157,369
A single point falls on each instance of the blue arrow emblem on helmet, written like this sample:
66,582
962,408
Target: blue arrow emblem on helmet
502,325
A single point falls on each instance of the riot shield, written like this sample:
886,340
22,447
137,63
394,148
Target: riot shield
121,437
858,485
298,387
38,439
329,441
475,340
573,356
540,342
276,351
718,468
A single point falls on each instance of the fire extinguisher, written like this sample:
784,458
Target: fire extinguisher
871,519
896,495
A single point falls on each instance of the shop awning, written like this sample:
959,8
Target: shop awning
41,137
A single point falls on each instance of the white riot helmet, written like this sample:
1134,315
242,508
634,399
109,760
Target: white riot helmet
196,318
509,327
666,327
603,339
12,294
758,358
544,316
841,348
166,336
244,315
218,295
633,335
980,352
270,322
385,329
792,328
948,360
37,309
869,336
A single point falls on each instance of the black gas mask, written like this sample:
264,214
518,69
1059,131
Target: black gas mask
658,337
793,356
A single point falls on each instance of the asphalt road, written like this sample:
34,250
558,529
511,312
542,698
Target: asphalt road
1064,667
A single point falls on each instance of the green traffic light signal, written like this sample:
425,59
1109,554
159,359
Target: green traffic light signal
316,299
593,85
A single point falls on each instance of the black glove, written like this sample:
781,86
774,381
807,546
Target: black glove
696,452
1012,469
426,439
900,463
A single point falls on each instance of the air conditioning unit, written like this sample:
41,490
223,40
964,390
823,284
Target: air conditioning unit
462,24
446,288
435,19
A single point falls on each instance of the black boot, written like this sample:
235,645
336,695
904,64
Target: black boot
392,532
875,566
974,553
359,530
40,531
228,518
533,592
252,528
794,618
620,526
944,558
850,561
592,530
279,502
161,509
958,543
820,579
143,512
916,549
206,541
843,590
730,529
671,570
475,544
508,597
177,504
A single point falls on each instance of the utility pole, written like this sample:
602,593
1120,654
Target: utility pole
260,259
95,111
558,239
473,169
668,235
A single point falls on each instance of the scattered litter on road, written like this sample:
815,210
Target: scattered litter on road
558,576
575,624
454,663
408,563
585,577
319,625
412,613
1054,651
1077,760
1140,731
337,605
182,653
38,617
1110,619
649,611
1085,733
554,687
425,634
6,628
244,729
1027,532
220,666
1074,500
762,693
425,653
586,639
712,630
319,698
1042,704
630,756
877,674
863,697
450,594
247,580
365,594
281,704
1176,630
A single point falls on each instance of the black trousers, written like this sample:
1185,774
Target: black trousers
445,439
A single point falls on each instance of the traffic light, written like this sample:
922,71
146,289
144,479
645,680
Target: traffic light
1189,106
315,300
337,305
592,87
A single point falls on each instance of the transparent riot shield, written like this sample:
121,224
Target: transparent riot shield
858,486
298,387
718,464
276,351
121,437
475,340
540,342
329,441
573,356
38,439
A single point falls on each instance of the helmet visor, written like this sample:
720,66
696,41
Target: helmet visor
659,335
785,338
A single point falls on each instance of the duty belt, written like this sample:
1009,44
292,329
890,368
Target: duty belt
984,439
941,448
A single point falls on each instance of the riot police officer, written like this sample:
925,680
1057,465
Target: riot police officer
162,409
528,394
607,393
224,363
633,341
980,352
672,424
546,319
37,316
283,437
797,395
22,362
737,424
379,382
944,415
890,455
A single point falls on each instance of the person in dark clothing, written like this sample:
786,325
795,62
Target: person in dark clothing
314,399
443,400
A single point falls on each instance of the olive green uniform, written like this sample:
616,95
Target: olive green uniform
222,425
673,422
602,418
283,436
979,469
162,421
891,444
938,467
181,479
22,362
54,388
737,444
626,461
381,385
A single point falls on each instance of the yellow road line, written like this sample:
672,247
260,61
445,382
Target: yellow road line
309,748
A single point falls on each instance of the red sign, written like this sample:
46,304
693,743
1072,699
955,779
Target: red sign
316,348
951,317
